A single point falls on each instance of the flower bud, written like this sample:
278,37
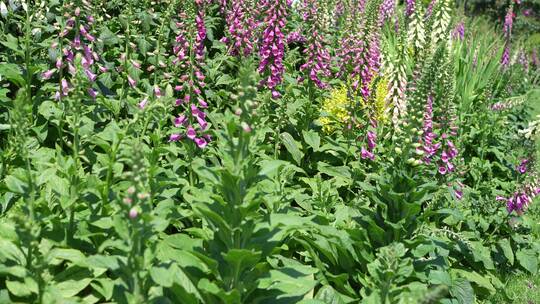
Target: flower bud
133,212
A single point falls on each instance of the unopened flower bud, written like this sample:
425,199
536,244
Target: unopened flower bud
133,213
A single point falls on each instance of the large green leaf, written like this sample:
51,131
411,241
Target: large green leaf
292,146
528,259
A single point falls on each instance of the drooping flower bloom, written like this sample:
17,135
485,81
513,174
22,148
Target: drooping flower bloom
295,37
317,56
505,59
47,74
74,41
352,45
522,167
241,25
508,22
430,7
409,7
272,49
143,103
190,99
459,31
387,9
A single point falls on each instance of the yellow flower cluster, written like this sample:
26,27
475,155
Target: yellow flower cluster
380,105
335,111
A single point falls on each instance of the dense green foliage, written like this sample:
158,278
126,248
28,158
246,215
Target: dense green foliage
134,172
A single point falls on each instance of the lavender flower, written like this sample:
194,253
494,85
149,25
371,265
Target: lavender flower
386,10
409,7
508,22
505,59
459,31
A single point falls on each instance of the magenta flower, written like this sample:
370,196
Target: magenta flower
317,56
180,120
133,213
201,142
175,137
65,87
191,134
47,74
508,22
192,79
157,92
522,167
443,170
505,59
272,49
241,26
142,104
131,81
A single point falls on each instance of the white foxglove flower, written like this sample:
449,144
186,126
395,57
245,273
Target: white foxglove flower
3,9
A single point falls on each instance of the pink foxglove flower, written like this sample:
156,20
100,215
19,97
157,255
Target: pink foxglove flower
131,81
143,103
47,74
272,49
175,137
191,134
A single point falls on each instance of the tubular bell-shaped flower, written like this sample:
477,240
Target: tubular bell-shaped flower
317,56
241,25
73,40
272,49
189,59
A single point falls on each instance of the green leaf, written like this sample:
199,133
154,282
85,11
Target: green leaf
14,184
329,295
71,288
334,171
271,167
72,255
474,277
240,259
293,279
482,254
292,146
528,259
312,138
103,261
19,289
506,248
462,290
13,73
